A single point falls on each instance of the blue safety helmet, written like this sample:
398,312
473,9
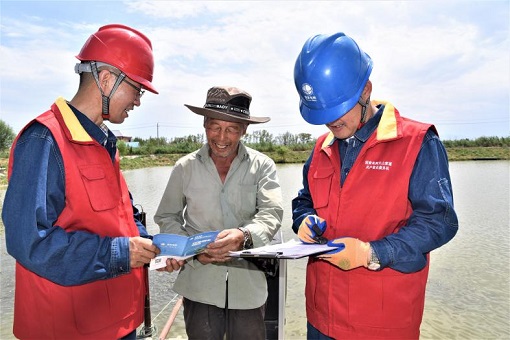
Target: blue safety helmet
330,74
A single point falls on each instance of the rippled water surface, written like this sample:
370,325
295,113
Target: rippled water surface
468,291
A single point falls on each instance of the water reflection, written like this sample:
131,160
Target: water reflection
468,291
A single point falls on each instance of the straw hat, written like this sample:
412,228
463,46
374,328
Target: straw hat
228,103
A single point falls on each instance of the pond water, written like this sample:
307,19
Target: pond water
468,290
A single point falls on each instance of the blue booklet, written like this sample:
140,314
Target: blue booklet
180,247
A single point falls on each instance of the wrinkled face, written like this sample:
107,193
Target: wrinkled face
124,99
347,125
223,137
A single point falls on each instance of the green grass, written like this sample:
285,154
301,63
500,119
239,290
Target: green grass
478,153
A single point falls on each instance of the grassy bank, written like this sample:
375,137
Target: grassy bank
288,156
454,154
478,153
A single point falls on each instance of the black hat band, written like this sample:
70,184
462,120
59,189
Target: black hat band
236,110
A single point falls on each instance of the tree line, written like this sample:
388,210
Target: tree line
260,140
263,141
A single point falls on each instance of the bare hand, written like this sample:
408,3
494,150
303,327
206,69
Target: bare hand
141,251
171,265
205,259
218,251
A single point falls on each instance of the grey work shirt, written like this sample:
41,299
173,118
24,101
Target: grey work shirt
195,200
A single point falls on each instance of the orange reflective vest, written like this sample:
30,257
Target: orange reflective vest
372,203
97,201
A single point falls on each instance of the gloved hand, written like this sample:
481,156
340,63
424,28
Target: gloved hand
306,232
355,254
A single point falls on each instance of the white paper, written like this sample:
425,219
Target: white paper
289,250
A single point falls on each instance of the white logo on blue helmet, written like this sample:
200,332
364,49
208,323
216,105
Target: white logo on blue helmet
308,92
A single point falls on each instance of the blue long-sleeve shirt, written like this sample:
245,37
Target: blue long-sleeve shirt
35,198
433,221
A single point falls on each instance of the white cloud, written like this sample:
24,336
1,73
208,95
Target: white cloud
436,61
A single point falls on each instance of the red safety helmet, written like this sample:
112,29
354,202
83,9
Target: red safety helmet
124,48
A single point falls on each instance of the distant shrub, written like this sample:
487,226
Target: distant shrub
479,142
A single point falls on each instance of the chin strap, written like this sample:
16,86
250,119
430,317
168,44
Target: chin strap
105,100
364,106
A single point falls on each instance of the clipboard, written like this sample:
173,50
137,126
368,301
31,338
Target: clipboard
289,250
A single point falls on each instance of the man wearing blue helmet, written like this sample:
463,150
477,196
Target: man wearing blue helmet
379,184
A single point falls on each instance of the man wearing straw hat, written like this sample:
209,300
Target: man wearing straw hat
229,187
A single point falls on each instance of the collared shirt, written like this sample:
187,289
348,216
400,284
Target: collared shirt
35,198
432,222
196,200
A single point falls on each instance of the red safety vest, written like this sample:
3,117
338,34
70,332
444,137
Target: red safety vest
372,203
97,201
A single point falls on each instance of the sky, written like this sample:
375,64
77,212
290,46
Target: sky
441,62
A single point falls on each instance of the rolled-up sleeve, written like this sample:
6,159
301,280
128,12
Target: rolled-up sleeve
269,207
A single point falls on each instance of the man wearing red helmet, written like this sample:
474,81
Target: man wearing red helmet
377,183
68,215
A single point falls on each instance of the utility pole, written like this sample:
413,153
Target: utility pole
157,130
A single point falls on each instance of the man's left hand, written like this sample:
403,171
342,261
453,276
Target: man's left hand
355,254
